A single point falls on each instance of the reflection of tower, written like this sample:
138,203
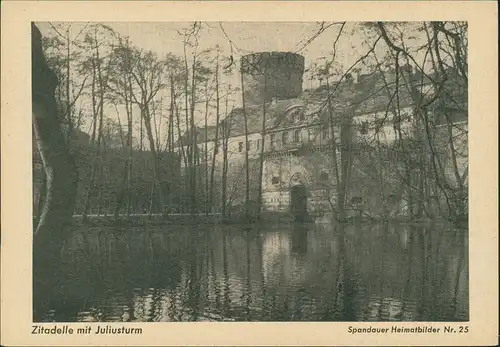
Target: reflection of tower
299,239
272,76
276,255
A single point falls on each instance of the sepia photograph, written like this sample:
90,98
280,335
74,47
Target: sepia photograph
250,173
232,171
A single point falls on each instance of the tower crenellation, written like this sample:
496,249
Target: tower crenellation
272,75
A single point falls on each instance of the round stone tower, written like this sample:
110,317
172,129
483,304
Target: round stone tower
272,75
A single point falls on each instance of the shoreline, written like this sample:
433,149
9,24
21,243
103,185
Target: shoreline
268,218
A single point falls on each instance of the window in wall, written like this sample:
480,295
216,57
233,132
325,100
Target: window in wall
216,147
258,144
275,180
379,123
273,140
284,137
249,145
323,177
356,200
310,134
296,136
363,129
325,133
391,198
240,147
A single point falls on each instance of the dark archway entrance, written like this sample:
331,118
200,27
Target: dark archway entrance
298,203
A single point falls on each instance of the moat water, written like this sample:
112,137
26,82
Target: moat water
316,272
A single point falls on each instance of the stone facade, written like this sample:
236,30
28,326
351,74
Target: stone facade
310,168
303,127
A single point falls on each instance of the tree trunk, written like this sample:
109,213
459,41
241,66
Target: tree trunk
154,154
189,132
334,150
225,139
194,139
184,157
345,165
263,135
121,194
206,150
62,178
224,171
41,197
247,174
171,144
127,151
68,100
129,92
216,141
98,111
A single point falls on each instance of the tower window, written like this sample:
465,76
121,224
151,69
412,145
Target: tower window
240,146
325,133
273,140
310,134
258,144
284,137
275,180
379,123
356,200
296,136
363,129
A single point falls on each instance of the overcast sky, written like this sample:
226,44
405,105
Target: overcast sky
246,37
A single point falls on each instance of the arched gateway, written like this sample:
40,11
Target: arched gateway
298,202
298,197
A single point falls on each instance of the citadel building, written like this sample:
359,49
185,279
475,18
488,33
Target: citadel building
299,129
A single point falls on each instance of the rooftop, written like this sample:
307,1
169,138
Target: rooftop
366,94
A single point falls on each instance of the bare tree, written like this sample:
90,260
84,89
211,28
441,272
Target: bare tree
121,85
148,74
245,122
217,127
446,101
99,82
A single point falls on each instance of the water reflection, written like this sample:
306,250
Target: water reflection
287,273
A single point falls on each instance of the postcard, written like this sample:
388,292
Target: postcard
249,173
